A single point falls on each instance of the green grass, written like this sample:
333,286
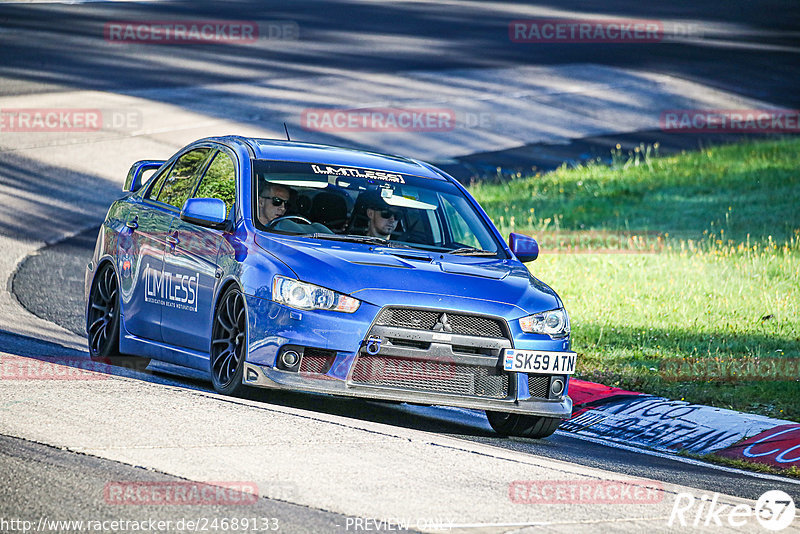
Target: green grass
660,258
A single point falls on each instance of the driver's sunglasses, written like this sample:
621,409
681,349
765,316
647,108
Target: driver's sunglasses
278,201
388,214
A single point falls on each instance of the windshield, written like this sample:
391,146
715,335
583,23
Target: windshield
366,205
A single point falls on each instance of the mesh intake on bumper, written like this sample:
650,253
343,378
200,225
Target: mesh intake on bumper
317,361
468,325
539,386
430,375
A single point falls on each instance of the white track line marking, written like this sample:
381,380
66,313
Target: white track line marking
682,459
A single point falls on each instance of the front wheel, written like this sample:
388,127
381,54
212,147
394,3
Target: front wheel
524,426
229,344
102,322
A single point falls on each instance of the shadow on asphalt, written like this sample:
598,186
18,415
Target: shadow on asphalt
71,48
29,358
72,255
60,300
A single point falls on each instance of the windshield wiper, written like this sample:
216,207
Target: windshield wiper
370,240
472,251
351,238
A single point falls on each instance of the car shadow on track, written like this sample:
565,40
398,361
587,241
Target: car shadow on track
28,358
429,419
62,302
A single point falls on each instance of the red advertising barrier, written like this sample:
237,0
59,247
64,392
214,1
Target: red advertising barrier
583,392
778,447
611,413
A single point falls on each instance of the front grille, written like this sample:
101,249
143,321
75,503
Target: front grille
416,319
317,360
468,325
539,386
431,375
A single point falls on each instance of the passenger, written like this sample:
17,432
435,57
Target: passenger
272,202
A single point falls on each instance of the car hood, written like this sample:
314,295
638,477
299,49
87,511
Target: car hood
398,276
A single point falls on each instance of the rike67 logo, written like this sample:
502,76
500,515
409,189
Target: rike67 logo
774,511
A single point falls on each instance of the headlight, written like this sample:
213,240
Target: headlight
554,323
305,296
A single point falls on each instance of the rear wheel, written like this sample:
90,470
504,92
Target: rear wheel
524,426
102,322
229,344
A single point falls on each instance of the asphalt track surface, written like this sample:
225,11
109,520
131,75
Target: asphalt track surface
59,484
746,48
727,47
60,299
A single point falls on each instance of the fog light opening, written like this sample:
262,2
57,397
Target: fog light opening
290,359
557,387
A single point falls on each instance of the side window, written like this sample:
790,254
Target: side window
152,193
459,228
219,180
180,182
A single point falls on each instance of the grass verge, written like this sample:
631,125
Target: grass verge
791,472
681,274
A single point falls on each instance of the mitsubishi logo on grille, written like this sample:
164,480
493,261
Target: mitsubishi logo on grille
443,324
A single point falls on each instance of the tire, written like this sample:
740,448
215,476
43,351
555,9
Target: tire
102,322
524,426
229,344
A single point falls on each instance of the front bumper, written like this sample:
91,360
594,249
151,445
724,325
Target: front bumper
260,376
399,354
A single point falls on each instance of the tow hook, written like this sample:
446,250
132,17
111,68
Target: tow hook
373,345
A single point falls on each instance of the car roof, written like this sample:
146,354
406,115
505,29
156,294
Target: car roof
278,150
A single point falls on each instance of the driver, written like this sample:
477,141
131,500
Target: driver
382,218
272,202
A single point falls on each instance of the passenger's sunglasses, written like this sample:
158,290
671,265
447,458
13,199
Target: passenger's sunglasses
388,214
276,201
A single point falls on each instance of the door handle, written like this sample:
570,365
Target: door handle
132,224
172,240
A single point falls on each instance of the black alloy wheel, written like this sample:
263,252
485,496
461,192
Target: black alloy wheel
102,322
229,343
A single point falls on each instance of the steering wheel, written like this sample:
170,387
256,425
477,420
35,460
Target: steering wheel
276,220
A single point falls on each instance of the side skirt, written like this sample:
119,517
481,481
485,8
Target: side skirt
137,346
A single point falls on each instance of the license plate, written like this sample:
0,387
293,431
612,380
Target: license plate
539,361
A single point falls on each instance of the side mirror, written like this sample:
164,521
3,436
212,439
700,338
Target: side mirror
133,182
208,212
525,248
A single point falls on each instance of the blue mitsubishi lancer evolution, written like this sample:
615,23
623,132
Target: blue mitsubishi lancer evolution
313,268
